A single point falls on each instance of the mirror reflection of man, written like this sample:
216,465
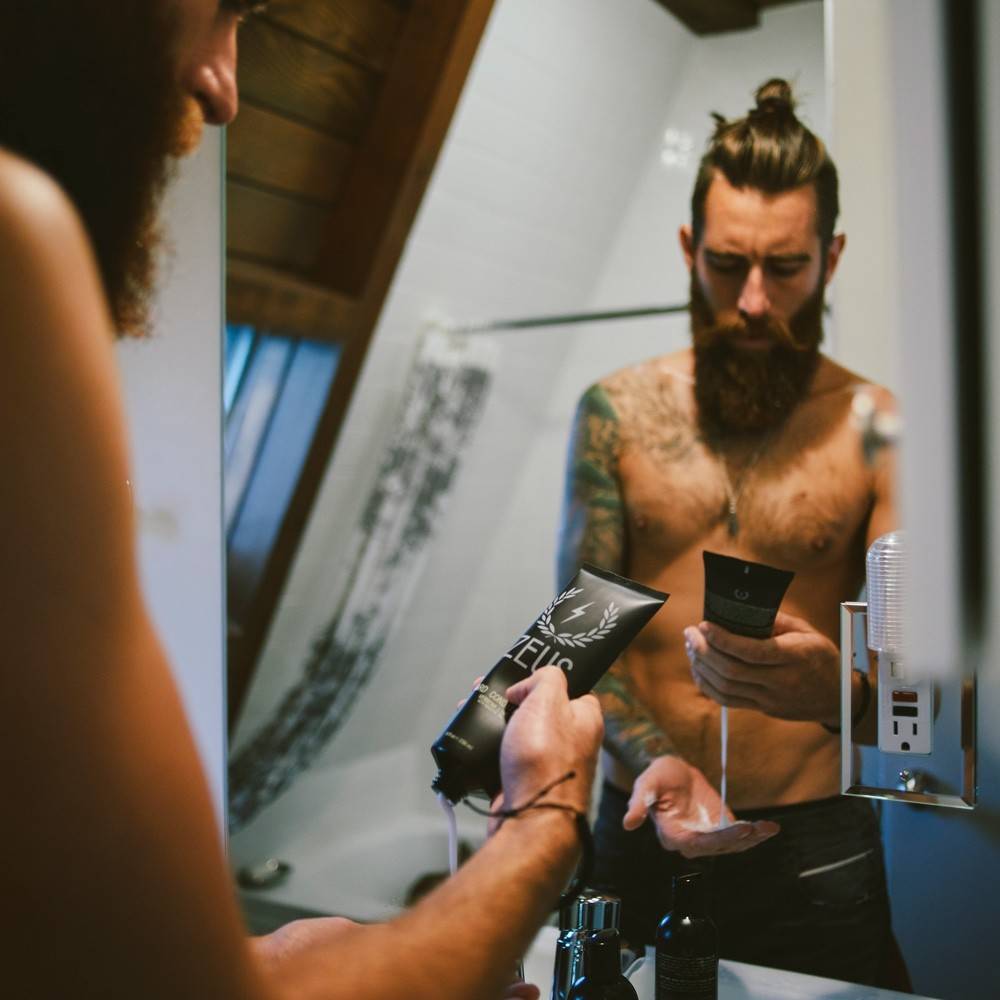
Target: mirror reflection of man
115,883
743,445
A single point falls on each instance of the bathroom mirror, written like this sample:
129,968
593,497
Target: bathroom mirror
566,173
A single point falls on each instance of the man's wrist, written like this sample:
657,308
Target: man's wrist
624,764
553,830
860,701
571,790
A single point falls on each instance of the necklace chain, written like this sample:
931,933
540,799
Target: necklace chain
734,492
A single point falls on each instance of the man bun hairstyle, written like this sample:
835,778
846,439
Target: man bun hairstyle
771,150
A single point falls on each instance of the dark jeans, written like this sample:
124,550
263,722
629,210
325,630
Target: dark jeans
811,899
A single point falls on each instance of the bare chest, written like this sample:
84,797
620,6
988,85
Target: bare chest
803,511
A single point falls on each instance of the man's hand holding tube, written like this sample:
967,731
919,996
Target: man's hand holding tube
547,737
793,675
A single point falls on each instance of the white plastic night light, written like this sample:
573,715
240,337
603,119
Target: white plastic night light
905,709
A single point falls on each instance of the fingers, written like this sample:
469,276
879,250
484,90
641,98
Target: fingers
722,679
549,681
725,692
642,799
550,739
740,647
739,837
638,808
733,668
587,710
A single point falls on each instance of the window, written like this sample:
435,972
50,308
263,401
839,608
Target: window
275,389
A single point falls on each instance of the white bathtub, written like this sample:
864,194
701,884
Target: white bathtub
354,851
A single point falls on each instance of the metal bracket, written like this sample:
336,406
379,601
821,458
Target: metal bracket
908,783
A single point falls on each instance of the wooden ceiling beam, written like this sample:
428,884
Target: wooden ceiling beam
710,17
280,303
363,30
285,72
381,194
268,149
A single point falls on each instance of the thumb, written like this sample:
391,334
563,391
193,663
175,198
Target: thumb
551,679
638,806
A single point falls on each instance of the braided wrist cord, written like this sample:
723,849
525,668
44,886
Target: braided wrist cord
586,866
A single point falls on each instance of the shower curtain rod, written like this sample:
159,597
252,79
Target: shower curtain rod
568,319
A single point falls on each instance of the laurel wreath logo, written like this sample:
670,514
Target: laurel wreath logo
609,619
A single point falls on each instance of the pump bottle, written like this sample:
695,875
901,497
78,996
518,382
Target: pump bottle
687,945
602,977
590,911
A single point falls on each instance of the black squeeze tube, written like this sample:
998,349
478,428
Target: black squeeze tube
583,631
743,596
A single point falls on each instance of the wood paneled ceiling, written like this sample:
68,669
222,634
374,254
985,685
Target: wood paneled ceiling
344,106
711,17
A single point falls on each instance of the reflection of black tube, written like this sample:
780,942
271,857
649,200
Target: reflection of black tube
582,631
742,596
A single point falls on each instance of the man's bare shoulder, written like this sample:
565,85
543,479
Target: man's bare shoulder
668,376
43,236
47,271
61,426
833,378
30,200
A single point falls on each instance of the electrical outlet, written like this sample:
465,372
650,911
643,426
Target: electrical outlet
904,709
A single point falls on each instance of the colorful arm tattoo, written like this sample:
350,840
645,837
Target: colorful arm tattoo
593,530
630,734
593,524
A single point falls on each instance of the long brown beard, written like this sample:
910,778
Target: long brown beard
89,93
742,392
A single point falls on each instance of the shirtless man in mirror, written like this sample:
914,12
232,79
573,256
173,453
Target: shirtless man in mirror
742,445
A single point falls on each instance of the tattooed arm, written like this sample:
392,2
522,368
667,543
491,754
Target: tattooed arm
593,523
682,804
593,530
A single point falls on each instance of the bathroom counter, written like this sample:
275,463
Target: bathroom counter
737,981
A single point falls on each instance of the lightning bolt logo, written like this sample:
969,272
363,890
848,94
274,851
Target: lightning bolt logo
576,613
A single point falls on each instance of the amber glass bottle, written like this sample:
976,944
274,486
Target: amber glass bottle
687,945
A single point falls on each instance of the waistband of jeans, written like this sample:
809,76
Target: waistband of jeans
763,812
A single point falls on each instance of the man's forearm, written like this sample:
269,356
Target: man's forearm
464,939
631,735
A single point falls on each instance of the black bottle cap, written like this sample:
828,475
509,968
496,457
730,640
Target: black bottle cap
602,961
689,893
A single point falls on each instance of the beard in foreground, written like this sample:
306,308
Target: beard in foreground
106,120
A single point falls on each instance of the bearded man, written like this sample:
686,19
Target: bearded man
742,445
118,886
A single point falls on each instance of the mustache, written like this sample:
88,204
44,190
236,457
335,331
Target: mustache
777,331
